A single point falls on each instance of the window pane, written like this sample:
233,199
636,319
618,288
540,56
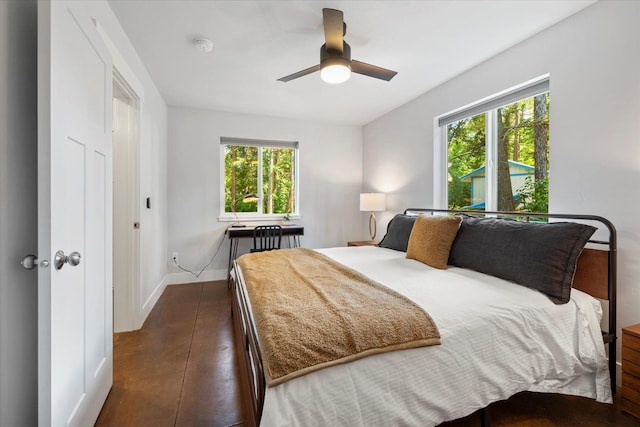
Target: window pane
278,179
265,172
523,155
241,178
466,153
522,163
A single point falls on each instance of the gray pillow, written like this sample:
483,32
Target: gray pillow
398,232
537,255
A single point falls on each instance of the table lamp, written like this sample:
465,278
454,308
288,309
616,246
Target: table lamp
372,202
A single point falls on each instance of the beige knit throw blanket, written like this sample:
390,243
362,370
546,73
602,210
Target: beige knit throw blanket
312,312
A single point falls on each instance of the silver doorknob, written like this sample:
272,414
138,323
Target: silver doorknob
29,262
74,259
60,259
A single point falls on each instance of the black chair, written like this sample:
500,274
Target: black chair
266,238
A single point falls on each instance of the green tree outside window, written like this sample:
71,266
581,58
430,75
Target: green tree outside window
522,147
268,172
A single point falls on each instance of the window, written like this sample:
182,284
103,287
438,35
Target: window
497,152
260,177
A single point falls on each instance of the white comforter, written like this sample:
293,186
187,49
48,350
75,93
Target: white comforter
498,339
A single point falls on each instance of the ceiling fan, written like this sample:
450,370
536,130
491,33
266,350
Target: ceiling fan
336,64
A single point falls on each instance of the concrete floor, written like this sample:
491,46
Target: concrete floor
180,369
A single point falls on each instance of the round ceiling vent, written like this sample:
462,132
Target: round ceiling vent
204,45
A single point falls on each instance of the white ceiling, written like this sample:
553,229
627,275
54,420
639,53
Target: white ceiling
257,42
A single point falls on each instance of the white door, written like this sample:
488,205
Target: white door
122,218
74,215
126,211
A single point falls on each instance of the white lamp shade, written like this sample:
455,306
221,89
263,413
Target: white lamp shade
372,202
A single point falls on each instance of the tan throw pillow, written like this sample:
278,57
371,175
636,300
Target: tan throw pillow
431,239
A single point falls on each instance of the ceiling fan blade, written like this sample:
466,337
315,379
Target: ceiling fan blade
333,29
300,73
372,70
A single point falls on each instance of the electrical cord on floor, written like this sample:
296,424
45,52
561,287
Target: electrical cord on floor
175,261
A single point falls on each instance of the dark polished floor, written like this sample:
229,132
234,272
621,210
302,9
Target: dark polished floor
180,370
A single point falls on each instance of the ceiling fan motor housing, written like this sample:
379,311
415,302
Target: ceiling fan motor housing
333,57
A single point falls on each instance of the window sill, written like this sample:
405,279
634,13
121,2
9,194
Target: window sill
256,218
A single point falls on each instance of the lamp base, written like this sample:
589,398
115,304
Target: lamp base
236,225
372,226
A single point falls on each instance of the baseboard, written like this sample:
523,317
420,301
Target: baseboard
206,276
151,301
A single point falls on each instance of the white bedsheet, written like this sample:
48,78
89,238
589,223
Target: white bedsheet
498,339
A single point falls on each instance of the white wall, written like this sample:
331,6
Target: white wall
330,183
594,61
18,213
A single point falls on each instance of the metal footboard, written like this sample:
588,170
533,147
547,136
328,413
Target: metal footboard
248,344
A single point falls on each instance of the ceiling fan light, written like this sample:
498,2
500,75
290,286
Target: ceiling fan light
335,70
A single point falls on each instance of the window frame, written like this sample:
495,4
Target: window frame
259,143
488,106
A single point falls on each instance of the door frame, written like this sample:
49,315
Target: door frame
126,78
132,312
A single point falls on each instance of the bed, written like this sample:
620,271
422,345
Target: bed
497,337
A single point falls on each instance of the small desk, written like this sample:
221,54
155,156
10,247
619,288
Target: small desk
292,232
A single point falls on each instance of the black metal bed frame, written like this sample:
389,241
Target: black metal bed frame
246,336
